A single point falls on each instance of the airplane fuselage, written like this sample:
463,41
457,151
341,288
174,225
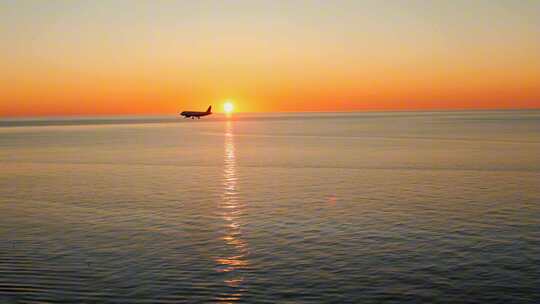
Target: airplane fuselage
193,114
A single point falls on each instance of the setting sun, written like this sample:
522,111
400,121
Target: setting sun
228,107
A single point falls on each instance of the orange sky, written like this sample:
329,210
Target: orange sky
142,57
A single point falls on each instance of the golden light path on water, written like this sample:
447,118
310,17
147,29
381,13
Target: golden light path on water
231,209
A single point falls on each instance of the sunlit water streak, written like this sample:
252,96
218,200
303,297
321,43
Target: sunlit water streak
231,208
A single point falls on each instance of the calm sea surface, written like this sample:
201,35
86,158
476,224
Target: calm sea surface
291,208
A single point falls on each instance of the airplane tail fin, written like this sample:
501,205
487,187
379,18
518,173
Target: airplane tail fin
209,110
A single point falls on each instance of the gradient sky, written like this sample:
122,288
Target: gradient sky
135,57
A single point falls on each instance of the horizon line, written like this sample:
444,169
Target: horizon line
169,114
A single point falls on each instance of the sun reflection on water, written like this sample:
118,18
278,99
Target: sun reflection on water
231,210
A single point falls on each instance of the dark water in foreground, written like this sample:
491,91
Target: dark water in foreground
296,208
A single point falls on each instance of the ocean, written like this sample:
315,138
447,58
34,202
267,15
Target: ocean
378,207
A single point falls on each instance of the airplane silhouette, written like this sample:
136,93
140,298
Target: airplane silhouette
193,114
